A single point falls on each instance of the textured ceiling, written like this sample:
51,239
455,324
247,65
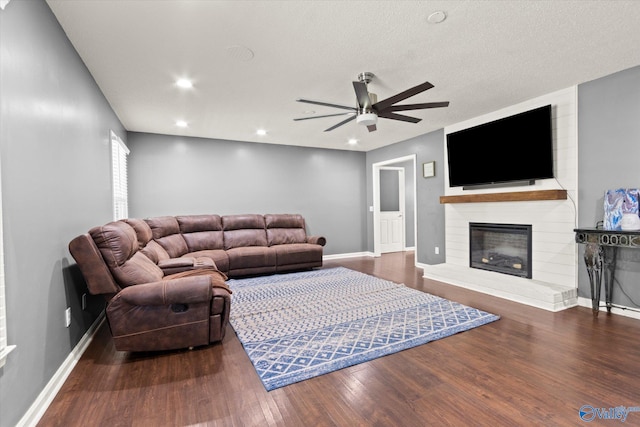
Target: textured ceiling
251,60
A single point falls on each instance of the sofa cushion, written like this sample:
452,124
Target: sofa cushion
283,236
243,231
251,260
155,252
162,226
118,244
284,221
174,244
137,270
298,254
201,232
142,229
93,267
285,229
237,222
204,240
193,223
166,231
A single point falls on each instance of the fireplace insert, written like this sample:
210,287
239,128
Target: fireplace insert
502,248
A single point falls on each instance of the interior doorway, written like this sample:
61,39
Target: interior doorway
408,166
392,207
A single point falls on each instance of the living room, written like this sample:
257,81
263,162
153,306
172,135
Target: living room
56,184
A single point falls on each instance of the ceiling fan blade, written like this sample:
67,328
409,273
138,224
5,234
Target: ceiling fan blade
379,106
372,128
341,123
326,104
417,106
362,94
394,116
319,117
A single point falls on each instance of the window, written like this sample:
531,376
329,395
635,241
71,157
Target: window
4,348
119,153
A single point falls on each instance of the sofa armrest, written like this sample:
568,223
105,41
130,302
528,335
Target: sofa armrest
186,290
177,265
317,240
176,262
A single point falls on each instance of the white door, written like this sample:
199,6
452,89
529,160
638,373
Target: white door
391,231
391,219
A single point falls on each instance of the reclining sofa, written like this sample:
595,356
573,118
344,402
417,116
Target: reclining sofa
164,277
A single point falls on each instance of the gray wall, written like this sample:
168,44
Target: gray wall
409,202
608,157
430,213
56,183
170,175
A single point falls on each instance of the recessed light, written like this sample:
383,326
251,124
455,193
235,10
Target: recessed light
437,17
353,141
261,132
181,123
184,83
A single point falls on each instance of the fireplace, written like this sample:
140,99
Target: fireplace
502,248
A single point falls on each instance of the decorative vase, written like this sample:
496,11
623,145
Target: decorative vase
630,222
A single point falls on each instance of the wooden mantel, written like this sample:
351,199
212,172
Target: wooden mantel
514,196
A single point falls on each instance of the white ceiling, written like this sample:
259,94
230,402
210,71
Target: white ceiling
251,60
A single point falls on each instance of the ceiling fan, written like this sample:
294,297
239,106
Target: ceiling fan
369,108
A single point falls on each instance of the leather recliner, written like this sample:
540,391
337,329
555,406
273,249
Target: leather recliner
147,308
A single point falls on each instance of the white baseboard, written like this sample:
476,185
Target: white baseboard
358,254
349,255
46,396
620,310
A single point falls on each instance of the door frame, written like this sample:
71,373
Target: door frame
375,170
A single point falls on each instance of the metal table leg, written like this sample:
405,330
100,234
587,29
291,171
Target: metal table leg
593,257
609,255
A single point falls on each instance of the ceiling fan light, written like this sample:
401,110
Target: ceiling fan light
367,119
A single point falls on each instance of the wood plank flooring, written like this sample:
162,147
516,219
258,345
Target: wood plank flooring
532,367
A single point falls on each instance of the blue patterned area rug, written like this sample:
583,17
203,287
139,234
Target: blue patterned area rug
300,325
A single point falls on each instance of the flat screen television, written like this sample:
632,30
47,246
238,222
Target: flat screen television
508,150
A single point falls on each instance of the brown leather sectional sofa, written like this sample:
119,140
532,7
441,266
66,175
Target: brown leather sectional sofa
164,277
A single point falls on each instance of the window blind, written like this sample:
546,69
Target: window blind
119,153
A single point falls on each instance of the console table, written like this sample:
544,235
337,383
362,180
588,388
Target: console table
600,258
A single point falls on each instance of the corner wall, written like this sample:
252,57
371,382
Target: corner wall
56,184
430,213
609,140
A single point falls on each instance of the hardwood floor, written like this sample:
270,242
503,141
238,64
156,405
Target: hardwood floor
532,367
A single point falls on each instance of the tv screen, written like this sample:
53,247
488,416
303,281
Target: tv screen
515,148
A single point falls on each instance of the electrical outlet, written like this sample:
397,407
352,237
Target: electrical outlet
437,250
84,301
67,317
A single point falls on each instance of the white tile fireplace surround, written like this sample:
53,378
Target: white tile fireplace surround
553,285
